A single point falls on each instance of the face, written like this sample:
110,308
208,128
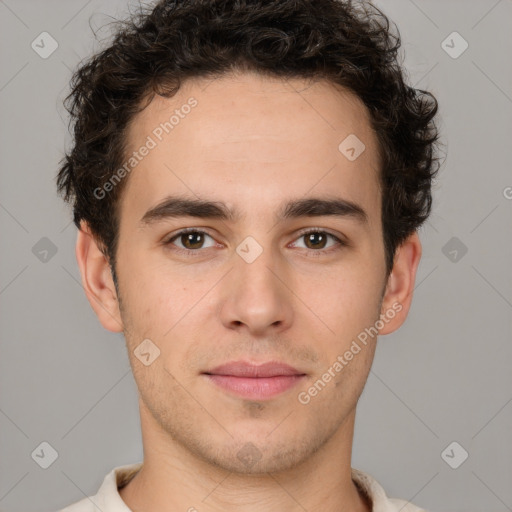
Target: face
286,266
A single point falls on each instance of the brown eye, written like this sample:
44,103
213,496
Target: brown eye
315,240
190,240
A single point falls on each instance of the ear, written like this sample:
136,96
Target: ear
400,286
97,280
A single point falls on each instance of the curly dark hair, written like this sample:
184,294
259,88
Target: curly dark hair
155,50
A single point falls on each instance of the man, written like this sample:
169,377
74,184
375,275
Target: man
248,179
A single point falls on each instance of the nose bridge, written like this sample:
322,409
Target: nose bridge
258,297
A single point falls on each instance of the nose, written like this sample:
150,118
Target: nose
258,297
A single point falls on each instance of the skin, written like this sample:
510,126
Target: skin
253,143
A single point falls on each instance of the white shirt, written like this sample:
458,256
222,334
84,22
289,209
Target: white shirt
107,499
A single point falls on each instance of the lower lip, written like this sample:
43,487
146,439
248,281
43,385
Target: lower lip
256,388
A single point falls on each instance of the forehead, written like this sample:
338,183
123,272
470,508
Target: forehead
253,135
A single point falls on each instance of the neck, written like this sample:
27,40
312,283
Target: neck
173,478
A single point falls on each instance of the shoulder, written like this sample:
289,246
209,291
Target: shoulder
107,499
380,501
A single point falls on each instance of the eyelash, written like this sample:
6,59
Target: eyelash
316,252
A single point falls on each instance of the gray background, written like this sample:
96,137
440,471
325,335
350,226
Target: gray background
444,376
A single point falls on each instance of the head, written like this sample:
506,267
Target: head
245,113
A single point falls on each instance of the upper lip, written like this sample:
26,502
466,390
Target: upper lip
246,369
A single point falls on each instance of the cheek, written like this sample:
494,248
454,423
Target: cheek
162,309
348,302
150,291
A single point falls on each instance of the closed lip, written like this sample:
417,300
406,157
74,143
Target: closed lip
246,369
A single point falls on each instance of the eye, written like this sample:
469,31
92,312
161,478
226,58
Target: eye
190,240
316,240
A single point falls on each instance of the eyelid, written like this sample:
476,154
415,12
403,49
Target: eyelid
313,229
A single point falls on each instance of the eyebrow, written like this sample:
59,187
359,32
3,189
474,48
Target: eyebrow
176,207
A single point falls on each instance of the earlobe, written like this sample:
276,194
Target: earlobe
400,286
97,280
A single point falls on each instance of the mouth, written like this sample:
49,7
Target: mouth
256,382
